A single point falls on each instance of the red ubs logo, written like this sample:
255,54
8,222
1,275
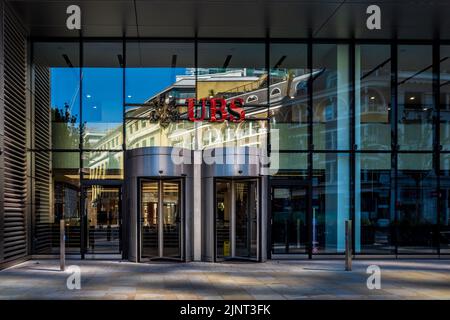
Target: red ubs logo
216,109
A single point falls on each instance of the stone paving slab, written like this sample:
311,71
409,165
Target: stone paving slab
283,279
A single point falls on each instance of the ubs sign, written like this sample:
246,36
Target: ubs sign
216,109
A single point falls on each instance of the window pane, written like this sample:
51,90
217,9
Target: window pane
288,163
415,98
444,236
102,165
244,134
56,194
143,133
373,97
234,71
289,219
289,114
331,97
445,98
331,201
103,218
374,215
57,86
158,69
416,204
102,95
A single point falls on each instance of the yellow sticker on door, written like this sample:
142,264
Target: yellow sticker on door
226,248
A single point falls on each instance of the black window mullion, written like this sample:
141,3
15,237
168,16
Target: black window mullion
437,133
268,227
122,208
83,224
310,150
124,74
394,159
352,141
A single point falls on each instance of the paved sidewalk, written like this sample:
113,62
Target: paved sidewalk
317,279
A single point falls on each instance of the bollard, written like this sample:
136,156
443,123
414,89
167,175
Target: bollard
348,245
62,246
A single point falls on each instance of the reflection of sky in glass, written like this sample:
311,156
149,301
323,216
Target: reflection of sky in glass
64,84
102,89
143,83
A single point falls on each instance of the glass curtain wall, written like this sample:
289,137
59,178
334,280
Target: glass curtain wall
331,132
289,123
444,228
444,120
236,74
374,215
55,146
157,73
416,200
416,204
377,154
102,110
289,111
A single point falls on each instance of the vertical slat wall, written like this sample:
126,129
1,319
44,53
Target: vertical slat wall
42,240
14,186
2,108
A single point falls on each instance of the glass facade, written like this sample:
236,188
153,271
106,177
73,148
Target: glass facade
355,131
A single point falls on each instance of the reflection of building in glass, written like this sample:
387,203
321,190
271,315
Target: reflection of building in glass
287,94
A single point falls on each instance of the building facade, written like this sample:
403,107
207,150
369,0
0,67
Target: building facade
221,147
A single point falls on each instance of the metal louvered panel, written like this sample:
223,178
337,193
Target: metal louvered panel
42,227
14,179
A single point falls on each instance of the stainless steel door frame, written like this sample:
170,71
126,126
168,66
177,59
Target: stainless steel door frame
141,182
179,224
233,220
233,182
258,222
160,220
160,184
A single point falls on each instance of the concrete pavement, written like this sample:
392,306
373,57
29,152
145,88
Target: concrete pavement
301,279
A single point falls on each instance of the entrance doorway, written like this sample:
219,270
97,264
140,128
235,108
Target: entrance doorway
161,219
237,221
103,207
289,220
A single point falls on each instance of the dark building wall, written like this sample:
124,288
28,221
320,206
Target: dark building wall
40,162
13,139
2,106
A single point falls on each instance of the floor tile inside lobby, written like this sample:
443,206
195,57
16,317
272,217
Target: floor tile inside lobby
317,279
